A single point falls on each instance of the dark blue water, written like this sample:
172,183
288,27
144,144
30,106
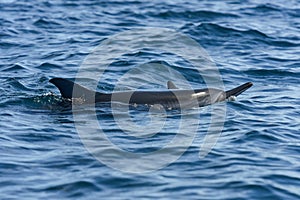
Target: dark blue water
257,155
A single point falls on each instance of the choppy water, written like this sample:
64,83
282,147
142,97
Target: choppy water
257,155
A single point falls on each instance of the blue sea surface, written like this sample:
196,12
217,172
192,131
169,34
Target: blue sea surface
257,156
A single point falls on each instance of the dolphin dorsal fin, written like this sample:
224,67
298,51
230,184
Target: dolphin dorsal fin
66,88
171,85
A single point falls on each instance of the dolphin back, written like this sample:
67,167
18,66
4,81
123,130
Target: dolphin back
71,90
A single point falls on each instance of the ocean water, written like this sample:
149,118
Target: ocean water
42,150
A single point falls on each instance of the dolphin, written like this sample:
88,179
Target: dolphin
171,98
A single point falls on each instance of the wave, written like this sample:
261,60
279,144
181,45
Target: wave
207,28
192,15
47,23
263,8
49,66
72,187
232,34
272,73
272,9
12,68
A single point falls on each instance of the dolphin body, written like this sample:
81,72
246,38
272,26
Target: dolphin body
171,98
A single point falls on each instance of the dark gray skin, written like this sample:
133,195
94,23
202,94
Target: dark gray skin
171,98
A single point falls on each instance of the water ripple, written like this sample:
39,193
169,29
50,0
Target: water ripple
257,154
